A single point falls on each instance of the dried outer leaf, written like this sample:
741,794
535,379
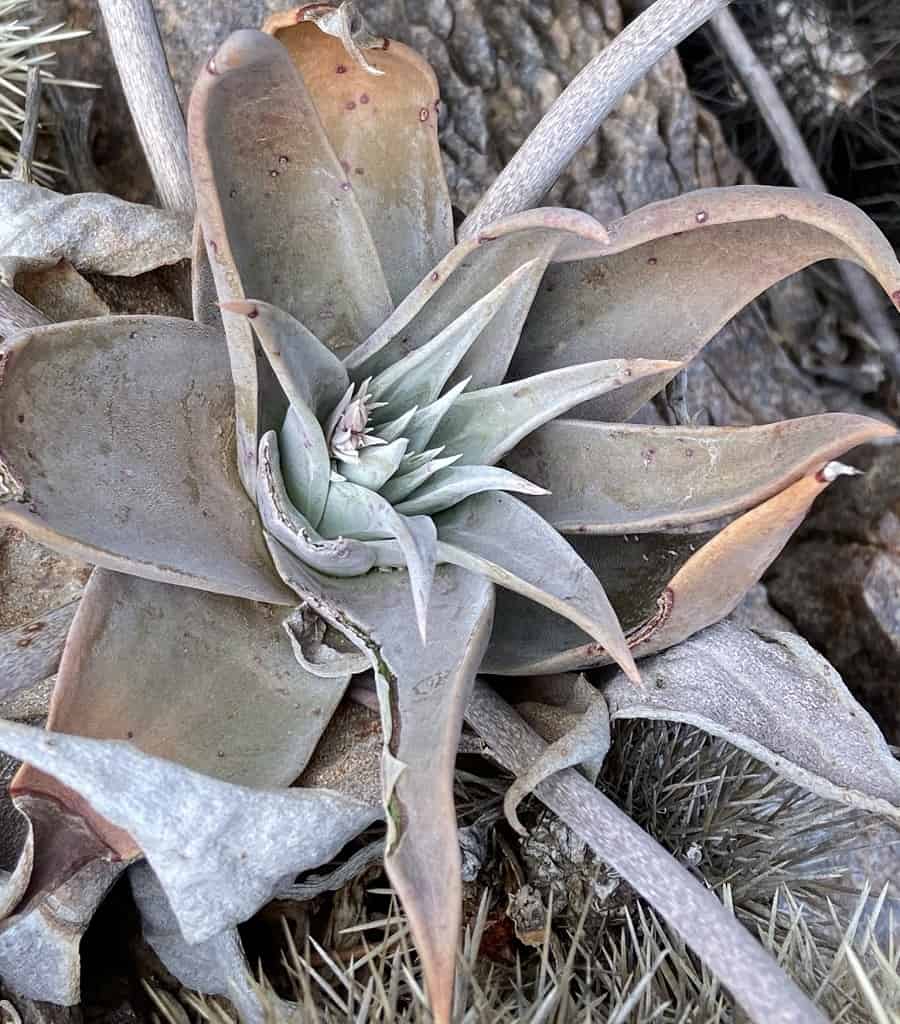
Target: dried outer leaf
467,273
279,216
92,231
774,696
251,714
586,740
308,634
540,565
707,586
216,966
361,513
229,848
484,425
422,692
383,129
624,478
305,462
31,652
455,483
341,557
39,943
676,271
763,991
419,377
375,465
309,373
111,456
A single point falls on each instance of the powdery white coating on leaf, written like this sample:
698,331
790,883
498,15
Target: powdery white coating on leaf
774,696
341,557
484,425
545,569
220,851
453,484
92,231
309,373
217,966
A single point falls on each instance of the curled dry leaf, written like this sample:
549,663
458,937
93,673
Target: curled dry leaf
92,231
774,696
229,848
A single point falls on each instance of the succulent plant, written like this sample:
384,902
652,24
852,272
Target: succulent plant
355,460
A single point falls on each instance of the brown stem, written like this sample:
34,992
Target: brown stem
765,993
802,168
21,170
141,62
594,92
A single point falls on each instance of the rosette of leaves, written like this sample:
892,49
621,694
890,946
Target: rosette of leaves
374,450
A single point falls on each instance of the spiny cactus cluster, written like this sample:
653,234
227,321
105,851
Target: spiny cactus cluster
300,493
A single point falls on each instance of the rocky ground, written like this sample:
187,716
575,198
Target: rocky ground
796,352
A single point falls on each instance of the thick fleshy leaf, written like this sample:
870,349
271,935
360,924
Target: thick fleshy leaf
617,478
278,213
543,567
383,129
227,851
486,363
663,607
583,738
212,683
31,652
419,377
402,486
452,485
424,422
423,690
375,465
341,557
309,373
92,231
467,273
676,271
117,448
216,966
305,461
484,425
774,696
395,428
357,512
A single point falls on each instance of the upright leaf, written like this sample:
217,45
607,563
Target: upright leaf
383,129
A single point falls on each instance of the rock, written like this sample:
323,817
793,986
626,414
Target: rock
839,581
